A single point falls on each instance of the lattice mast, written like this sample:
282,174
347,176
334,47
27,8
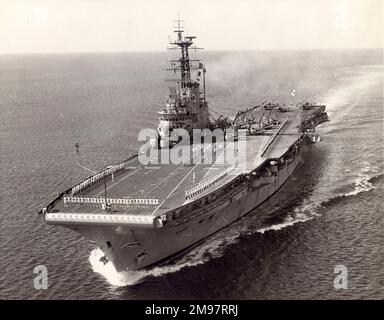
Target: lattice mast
184,63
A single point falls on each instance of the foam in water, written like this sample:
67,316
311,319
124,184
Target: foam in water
302,213
361,184
217,244
212,249
109,272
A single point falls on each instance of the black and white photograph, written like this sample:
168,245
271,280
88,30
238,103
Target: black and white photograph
191,150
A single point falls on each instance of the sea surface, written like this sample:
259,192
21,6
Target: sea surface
329,213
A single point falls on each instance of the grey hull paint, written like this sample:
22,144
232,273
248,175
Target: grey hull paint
134,249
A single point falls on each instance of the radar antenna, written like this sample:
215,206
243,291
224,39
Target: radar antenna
183,64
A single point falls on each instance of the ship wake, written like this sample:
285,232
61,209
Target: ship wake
202,253
199,255
302,213
215,247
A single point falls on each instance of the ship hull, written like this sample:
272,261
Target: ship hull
136,248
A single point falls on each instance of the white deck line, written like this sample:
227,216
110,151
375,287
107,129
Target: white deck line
182,180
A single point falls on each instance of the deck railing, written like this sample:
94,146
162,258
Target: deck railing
96,178
122,201
206,183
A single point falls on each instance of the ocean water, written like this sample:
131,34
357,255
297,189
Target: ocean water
329,213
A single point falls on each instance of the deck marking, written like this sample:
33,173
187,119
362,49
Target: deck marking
158,207
189,172
156,185
221,153
129,174
182,180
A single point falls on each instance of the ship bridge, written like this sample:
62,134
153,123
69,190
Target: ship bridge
186,106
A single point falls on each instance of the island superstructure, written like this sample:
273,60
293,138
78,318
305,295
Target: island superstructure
186,106
139,213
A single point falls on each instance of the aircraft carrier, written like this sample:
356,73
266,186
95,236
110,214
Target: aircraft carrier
141,212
